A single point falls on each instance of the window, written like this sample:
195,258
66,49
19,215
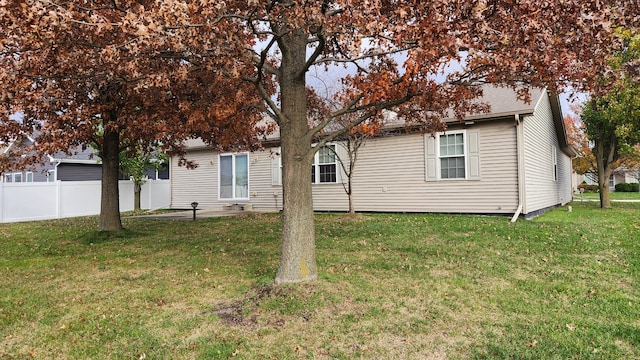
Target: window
325,169
325,166
8,178
234,176
17,177
51,175
29,177
452,156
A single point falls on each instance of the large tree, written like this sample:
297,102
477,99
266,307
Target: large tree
389,55
612,118
420,58
86,72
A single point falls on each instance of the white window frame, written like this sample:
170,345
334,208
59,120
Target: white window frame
8,178
464,155
16,175
28,176
233,178
315,166
276,167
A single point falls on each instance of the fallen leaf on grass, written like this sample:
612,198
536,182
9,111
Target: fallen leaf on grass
533,343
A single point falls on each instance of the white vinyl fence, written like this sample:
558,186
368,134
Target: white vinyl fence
61,199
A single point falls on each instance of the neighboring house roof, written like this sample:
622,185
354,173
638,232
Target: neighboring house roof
5,149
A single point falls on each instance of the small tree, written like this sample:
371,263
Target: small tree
135,162
351,142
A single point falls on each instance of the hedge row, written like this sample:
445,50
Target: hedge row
626,187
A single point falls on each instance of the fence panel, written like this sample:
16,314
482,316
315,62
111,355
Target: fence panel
42,200
29,201
156,194
79,198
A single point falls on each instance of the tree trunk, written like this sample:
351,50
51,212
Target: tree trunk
352,210
137,188
109,203
604,172
603,186
298,256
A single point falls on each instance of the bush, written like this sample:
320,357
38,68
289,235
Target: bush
589,188
627,187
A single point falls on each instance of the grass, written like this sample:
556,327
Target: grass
614,195
561,286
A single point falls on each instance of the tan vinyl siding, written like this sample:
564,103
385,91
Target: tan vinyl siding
565,187
201,184
389,177
540,141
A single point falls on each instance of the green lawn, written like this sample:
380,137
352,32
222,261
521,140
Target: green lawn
613,195
561,286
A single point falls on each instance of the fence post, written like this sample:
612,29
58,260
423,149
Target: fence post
152,186
58,185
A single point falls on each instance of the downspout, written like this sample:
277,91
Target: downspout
55,169
521,174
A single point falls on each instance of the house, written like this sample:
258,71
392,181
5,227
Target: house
79,165
619,176
17,147
514,160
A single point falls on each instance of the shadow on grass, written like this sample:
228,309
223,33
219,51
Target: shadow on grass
94,237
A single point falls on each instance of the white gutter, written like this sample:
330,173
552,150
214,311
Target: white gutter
76,161
522,199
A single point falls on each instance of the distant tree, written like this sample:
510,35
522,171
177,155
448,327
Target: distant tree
584,163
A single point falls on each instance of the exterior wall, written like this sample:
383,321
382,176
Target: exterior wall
399,183
540,140
79,172
201,184
565,182
389,176
630,177
39,173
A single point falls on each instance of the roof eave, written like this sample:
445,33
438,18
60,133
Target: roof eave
558,123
